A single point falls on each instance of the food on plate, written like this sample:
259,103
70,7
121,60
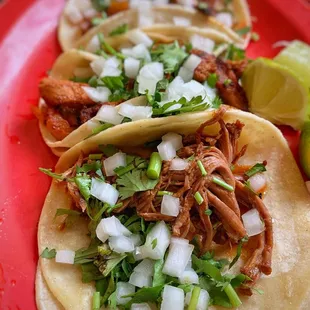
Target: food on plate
177,214
83,18
158,72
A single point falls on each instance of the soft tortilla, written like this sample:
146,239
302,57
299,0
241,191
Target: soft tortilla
68,62
287,200
71,36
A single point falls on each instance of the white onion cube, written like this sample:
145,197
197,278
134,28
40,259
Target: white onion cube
146,267
113,227
104,192
139,51
97,65
74,14
252,223
177,259
121,244
101,233
177,240
109,114
173,298
65,257
192,62
202,43
175,139
257,182
189,277
123,289
203,300
225,18
178,164
131,66
112,162
137,36
110,71
140,279
142,306
170,205
185,74
136,239
93,44
166,150
135,112
99,94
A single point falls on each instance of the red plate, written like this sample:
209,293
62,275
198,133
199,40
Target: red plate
28,49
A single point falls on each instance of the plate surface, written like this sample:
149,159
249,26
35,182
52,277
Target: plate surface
27,50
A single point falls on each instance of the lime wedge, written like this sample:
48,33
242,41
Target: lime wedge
276,93
296,56
304,148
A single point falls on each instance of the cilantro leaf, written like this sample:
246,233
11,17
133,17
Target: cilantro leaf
113,82
145,294
108,150
171,55
111,263
57,176
159,278
112,301
83,182
93,166
134,181
234,53
238,253
119,30
109,290
259,167
100,128
207,268
48,253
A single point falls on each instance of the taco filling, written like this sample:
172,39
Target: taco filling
173,76
177,222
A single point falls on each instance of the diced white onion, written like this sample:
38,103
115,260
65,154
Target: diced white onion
173,298
180,241
121,244
178,164
97,65
189,277
110,71
92,124
308,186
174,138
202,43
140,279
112,162
101,233
131,66
123,289
170,205
181,21
142,306
258,182
93,44
136,239
161,234
166,150
189,265
252,223
203,300
145,20
109,114
65,257
74,14
99,94
193,89
177,259
135,112
186,72
139,51
137,36
139,253
146,267
113,227
90,13
104,192
225,18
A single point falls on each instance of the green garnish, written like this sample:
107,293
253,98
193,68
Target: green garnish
234,53
98,20
159,278
119,30
202,168
100,128
198,198
100,5
154,243
113,82
84,183
54,175
227,82
93,166
194,299
238,253
96,301
108,150
223,184
255,36
162,193
208,212
259,167
48,253
212,79
243,31
232,295
108,47
145,294
95,156
154,167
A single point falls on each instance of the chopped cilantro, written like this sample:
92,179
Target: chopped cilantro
243,31
48,253
255,36
159,278
259,167
108,150
238,253
119,30
216,103
113,82
234,53
57,176
108,48
227,82
208,212
100,5
93,166
212,79
112,301
154,243
83,182
100,128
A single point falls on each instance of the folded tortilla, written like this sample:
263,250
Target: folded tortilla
286,199
71,35
67,63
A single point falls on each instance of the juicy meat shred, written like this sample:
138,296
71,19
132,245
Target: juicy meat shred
62,92
228,75
89,112
57,125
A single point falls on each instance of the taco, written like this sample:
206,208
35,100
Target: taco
235,15
160,71
227,199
